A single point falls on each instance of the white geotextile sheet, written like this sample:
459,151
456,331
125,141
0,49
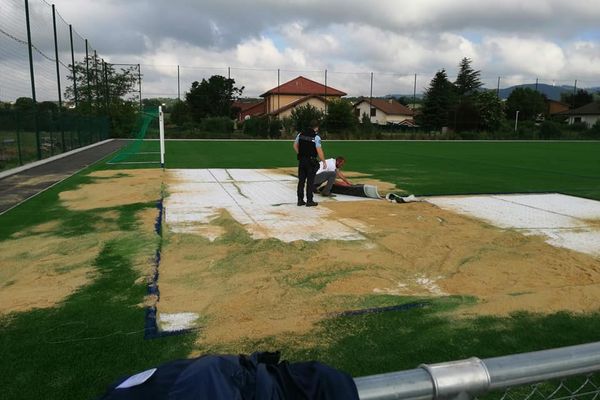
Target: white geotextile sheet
565,221
264,201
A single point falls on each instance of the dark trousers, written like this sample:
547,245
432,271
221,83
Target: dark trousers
307,168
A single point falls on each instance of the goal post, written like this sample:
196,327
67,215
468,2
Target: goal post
161,129
146,142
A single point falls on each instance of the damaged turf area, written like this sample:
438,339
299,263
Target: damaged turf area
245,281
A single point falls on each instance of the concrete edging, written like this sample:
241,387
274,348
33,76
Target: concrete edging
34,164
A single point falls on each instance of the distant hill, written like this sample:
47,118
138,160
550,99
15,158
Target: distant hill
551,92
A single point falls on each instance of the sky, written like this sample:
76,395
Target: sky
554,41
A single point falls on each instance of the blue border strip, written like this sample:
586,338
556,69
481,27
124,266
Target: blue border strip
151,330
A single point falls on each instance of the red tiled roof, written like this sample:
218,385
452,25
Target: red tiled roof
295,103
304,86
588,109
245,105
389,106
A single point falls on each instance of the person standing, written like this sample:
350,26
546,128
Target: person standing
308,151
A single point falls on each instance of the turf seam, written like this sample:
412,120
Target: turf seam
377,310
151,329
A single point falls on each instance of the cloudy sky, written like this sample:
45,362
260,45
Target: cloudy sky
556,41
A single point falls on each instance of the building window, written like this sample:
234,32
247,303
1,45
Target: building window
357,112
373,112
577,120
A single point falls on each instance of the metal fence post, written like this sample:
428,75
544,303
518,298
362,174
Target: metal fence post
29,47
19,138
87,72
60,126
140,84
96,79
73,67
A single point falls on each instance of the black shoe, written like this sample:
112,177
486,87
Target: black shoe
311,204
301,203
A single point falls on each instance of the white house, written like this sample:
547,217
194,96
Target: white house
383,111
588,114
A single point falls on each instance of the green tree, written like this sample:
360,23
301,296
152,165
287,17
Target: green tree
303,115
528,102
103,89
491,110
340,116
24,104
180,113
213,97
578,99
438,103
468,80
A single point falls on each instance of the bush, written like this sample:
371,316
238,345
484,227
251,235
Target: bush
578,127
275,127
595,130
257,127
216,125
527,130
550,130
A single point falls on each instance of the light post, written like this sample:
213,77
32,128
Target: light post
516,120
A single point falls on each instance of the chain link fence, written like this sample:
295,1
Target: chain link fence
586,387
557,374
173,81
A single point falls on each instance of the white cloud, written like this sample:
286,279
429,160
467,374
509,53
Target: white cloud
515,39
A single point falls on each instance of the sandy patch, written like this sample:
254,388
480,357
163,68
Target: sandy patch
246,288
40,271
115,188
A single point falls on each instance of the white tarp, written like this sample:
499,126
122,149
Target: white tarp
264,201
566,221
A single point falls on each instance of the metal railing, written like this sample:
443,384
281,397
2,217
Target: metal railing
471,378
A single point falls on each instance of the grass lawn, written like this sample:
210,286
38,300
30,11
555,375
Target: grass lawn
74,350
425,167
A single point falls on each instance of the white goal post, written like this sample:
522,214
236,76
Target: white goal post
161,128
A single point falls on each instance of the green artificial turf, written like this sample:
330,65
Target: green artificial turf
423,167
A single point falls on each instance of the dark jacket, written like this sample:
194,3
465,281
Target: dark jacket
259,376
306,144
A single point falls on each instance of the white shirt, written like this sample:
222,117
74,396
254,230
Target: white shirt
329,166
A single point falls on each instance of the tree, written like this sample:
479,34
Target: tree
403,100
438,102
467,81
491,110
303,115
212,97
104,90
24,104
528,102
578,99
340,116
180,113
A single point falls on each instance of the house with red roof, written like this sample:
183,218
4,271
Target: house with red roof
384,111
283,99
247,109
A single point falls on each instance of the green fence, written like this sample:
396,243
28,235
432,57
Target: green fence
27,136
